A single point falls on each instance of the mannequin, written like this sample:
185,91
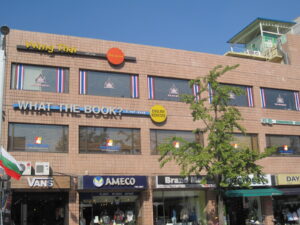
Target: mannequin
184,215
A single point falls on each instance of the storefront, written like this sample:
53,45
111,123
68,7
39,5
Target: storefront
111,199
40,200
287,206
179,200
246,206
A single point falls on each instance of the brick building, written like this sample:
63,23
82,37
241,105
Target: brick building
73,107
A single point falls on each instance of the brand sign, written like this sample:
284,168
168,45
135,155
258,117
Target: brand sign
37,182
41,182
253,183
182,182
50,48
288,179
115,56
158,114
114,182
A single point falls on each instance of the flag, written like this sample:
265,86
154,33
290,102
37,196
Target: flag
10,165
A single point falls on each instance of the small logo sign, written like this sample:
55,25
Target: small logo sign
173,91
176,144
109,84
115,56
280,101
158,114
38,140
40,81
98,181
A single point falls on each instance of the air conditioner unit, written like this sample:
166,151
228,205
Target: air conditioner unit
42,168
26,166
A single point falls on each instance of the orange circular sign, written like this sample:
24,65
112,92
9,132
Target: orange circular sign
115,56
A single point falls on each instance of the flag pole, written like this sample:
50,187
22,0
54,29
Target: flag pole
4,31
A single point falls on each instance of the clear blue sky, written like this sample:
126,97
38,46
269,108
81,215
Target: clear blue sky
195,25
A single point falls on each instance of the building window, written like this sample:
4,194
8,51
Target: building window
158,137
37,138
245,99
286,145
40,78
109,140
279,99
169,89
245,141
108,84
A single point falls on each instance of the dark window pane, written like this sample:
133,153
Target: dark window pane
245,141
109,140
238,100
37,138
40,78
108,84
285,144
158,137
279,99
170,89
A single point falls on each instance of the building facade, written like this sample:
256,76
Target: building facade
77,114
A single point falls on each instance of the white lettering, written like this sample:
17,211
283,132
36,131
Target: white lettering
40,182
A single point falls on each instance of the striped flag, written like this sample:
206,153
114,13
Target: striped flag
10,164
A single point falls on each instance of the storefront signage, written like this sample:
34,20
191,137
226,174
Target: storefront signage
50,48
280,122
114,56
253,183
74,108
46,182
182,182
114,182
158,114
288,179
36,182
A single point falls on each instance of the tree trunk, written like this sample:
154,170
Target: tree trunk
221,210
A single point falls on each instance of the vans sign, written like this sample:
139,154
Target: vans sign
41,182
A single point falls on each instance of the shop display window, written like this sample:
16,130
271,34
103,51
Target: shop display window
245,141
167,88
179,207
38,208
39,78
244,99
37,138
109,140
286,145
279,99
105,208
158,137
108,84
244,210
286,209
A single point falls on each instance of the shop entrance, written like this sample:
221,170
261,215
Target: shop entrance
39,208
109,208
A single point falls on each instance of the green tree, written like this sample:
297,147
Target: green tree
218,158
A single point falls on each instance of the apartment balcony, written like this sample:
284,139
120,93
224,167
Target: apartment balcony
272,54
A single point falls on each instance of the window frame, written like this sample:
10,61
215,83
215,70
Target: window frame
252,136
117,151
151,88
133,80
154,151
11,144
282,154
266,104
17,78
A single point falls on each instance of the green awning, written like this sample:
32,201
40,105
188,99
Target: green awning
253,192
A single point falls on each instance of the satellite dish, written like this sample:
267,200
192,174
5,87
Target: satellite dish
4,30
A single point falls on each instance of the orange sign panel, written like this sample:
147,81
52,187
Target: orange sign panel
115,56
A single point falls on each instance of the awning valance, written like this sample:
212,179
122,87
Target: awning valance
253,192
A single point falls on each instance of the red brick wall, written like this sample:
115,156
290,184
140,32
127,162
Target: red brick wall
150,61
